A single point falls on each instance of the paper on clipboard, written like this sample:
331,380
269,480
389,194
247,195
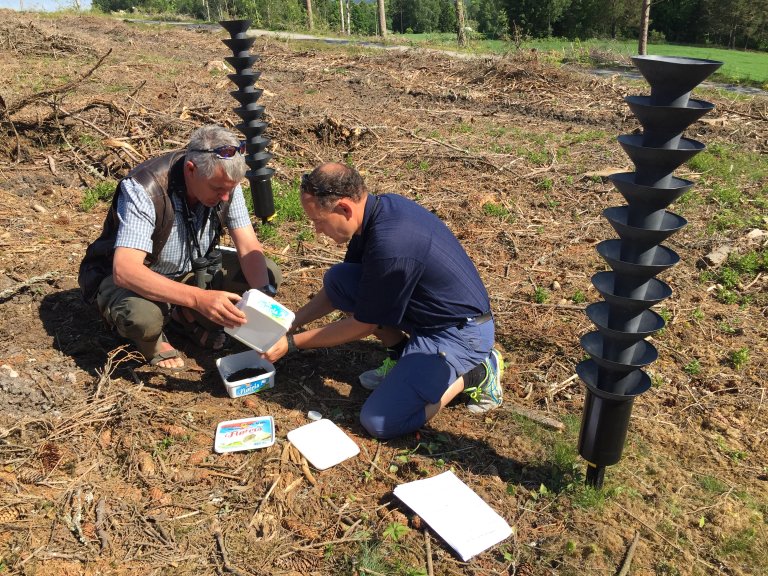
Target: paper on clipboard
455,512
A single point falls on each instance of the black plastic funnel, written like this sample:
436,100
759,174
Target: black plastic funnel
654,166
618,217
659,259
241,62
240,46
653,292
624,357
632,327
249,113
249,95
245,78
653,196
663,125
673,78
257,145
236,28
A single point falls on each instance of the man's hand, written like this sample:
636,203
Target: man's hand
219,307
278,350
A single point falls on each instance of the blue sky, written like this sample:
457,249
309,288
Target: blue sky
43,4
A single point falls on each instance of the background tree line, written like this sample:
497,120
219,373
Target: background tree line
732,23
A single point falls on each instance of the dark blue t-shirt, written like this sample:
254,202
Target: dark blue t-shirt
415,273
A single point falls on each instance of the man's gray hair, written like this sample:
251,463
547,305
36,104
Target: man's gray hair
208,138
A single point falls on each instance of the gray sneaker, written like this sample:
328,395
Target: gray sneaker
370,379
489,394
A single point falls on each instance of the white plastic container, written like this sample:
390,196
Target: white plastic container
228,365
244,434
266,321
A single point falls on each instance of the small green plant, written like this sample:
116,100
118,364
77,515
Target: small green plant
697,315
578,297
693,368
287,202
540,295
267,232
712,484
726,328
423,165
395,531
495,210
101,192
739,358
740,544
464,128
547,184
305,235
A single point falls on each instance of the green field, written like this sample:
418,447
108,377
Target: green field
740,67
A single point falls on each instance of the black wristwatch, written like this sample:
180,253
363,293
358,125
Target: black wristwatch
291,344
269,290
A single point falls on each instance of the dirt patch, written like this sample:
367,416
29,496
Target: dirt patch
108,467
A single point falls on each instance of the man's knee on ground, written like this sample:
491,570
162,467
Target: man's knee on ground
139,320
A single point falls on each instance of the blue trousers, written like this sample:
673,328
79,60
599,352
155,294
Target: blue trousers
430,363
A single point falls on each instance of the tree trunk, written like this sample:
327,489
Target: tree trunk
382,20
645,20
349,24
461,32
310,22
341,14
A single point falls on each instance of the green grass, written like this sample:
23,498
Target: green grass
739,66
101,192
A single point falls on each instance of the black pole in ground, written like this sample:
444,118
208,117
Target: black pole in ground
618,349
252,126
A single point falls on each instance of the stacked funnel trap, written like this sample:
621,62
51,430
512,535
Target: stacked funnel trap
253,125
618,349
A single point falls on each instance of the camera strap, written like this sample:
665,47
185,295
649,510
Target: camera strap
192,233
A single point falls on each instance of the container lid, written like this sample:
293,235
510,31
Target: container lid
266,321
244,434
323,443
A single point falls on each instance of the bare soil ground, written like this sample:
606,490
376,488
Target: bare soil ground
108,468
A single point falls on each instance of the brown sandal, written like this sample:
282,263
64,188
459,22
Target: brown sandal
196,333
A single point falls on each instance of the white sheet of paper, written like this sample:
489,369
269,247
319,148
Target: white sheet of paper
455,512
323,443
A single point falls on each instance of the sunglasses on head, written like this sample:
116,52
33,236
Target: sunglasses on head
315,190
224,152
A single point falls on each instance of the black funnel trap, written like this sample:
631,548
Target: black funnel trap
618,349
253,125
672,78
236,28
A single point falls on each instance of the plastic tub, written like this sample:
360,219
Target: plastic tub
266,321
228,365
244,434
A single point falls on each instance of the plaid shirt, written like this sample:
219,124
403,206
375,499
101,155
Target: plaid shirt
137,223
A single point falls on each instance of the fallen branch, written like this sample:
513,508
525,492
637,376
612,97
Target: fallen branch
628,558
8,292
428,546
216,527
100,518
538,417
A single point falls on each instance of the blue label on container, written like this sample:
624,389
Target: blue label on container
251,387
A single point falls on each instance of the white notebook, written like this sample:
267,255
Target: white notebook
323,443
455,512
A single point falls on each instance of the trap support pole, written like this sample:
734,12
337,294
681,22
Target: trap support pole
253,125
618,349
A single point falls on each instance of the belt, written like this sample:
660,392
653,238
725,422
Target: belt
477,320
